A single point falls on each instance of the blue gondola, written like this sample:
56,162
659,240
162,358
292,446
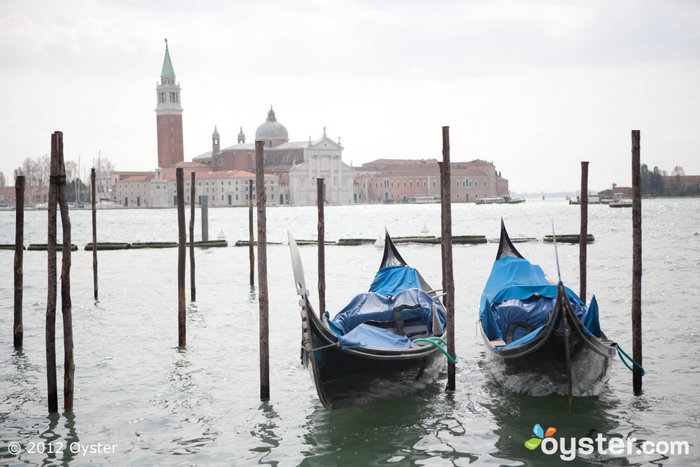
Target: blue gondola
541,337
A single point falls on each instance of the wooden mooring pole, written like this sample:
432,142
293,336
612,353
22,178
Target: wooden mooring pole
56,141
205,218
251,236
447,272
262,273
181,254
18,328
636,264
583,239
193,290
321,248
94,231
66,304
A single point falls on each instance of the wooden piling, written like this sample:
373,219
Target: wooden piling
193,290
583,239
18,328
251,250
66,304
636,264
56,141
182,237
447,272
205,218
94,231
262,273
321,248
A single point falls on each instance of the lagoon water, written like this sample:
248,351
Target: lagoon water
153,403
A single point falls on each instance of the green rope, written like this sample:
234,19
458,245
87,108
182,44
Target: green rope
431,340
624,355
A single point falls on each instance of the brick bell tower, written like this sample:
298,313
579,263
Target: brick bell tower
169,116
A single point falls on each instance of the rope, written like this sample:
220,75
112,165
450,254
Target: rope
431,340
623,355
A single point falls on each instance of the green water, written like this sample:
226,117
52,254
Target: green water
155,404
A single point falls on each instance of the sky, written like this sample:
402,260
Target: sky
533,86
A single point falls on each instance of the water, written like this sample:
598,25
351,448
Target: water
154,404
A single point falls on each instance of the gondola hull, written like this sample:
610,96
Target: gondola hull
364,375
543,370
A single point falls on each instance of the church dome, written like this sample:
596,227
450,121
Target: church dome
271,130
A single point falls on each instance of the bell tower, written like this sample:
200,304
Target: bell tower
169,116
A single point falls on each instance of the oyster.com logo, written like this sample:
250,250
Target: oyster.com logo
540,434
569,448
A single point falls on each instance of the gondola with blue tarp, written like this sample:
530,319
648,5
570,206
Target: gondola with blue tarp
384,344
542,338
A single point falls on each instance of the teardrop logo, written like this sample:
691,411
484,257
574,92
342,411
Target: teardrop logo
540,434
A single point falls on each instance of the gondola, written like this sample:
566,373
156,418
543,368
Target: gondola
385,344
541,337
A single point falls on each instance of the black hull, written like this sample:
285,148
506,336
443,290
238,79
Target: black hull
358,376
543,371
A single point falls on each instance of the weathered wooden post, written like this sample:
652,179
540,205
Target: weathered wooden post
583,238
636,264
18,328
56,141
66,304
321,248
182,237
193,290
251,237
447,273
262,273
94,231
205,218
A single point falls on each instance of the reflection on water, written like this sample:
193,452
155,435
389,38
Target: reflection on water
265,433
403,431
516,415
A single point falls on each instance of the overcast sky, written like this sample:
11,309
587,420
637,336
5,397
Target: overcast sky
534,86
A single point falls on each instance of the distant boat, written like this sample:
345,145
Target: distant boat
506,199
425,199
498,200
621,203
541,337
385,344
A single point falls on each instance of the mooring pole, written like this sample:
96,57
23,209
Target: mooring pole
205,218
262,273
94,232
181,255
66,304
251,237
447,273
56,141
193,290
321,248
583,238
636,264
18,328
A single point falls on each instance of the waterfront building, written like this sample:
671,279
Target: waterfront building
410,180
295,164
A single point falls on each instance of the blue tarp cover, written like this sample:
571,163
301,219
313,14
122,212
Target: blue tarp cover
518,291
371,306
372,336
392,279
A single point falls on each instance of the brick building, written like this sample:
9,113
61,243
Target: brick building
407,180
